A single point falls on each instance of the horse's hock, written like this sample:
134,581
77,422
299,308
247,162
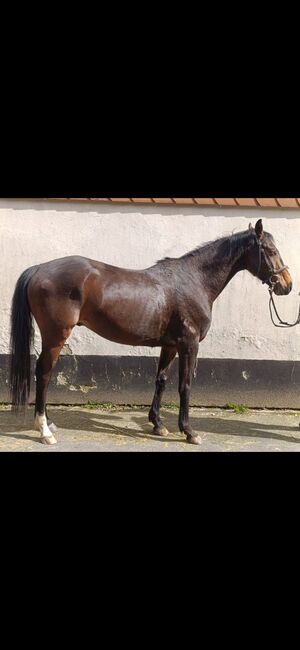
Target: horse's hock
243,358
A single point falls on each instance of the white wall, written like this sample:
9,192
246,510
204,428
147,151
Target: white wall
136,236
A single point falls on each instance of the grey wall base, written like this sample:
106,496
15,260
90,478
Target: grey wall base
126,380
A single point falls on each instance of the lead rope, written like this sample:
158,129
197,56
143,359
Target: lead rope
281,323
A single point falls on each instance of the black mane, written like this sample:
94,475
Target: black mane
230,246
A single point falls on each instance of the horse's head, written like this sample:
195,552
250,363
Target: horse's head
265,262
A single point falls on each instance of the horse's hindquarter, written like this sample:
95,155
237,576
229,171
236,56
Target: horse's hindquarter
125,306
56,292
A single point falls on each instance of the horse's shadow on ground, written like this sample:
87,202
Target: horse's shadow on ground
109,423
228,427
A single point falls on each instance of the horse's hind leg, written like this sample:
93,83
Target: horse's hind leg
44,367
167,357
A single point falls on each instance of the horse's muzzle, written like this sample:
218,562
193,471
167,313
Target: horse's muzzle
282,290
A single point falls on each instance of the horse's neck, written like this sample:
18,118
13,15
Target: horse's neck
220,271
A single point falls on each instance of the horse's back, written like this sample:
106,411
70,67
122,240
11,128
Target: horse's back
76,266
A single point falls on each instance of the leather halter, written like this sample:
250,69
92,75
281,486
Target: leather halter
272,271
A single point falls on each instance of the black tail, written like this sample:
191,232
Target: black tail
22,332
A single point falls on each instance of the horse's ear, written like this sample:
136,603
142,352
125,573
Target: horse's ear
259,229
250,226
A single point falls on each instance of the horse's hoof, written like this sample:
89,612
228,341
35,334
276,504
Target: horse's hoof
48,440
160,431
194,440
52,427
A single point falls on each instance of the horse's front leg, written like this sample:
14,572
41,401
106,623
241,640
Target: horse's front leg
167,357
187,352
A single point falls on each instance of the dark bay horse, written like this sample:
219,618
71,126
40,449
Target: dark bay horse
167,305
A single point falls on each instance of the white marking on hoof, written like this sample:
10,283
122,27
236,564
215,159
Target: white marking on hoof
48,440
42,426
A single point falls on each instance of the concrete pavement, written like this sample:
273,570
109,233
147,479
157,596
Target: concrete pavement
127,429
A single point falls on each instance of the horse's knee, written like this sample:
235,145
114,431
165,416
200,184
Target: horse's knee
161,382
184,391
